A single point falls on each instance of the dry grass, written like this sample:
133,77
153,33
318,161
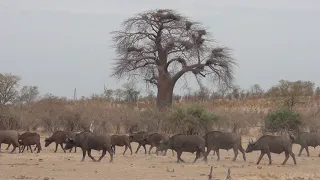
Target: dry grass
53,114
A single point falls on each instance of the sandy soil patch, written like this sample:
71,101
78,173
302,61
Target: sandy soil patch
67,166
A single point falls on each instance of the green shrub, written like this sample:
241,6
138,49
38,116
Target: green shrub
193,119
283,119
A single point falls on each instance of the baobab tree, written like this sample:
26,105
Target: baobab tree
160,46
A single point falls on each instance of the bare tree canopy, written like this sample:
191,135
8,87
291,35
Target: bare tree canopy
292,92
28,93
8,85
160,46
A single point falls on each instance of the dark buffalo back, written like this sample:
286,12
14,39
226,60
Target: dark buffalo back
222,140
308,139
185,143
89,140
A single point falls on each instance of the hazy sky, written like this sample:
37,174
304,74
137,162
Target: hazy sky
65,44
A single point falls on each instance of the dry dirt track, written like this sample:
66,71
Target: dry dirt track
67,166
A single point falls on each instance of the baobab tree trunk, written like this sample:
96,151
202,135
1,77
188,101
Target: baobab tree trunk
165,93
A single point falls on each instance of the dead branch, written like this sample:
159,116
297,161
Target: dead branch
210,174
229,175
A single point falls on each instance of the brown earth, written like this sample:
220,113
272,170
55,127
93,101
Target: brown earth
67,166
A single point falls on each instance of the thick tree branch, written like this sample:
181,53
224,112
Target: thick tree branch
152,80
186,69
182,61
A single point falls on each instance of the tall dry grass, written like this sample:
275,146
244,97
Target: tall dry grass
53,114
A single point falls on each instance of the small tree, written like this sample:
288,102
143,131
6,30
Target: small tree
317,91
130,92
8,88
108,93
28,93
283,119
160,46
256,91
292,93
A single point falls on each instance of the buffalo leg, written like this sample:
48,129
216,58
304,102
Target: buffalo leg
218,154
30,148
209,148
35,148
56,147
20,149
269,156
89,154
243,153
138,148
286,158
114,150
15,147
151,146
179,153
70,150
38,145
8,146
23,149
125,149
83,154
301,149
130,148
165,152
260,157
111,155
61,145
145,149
197,156
75,149
293,157
102,155
235,150
307,149
203,152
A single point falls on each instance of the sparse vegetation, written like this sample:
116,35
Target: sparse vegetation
195,113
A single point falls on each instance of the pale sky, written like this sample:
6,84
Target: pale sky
65,44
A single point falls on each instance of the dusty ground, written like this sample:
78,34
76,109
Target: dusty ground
67,166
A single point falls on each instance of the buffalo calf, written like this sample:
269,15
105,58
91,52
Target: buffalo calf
28,139
139,137
120,140
59,137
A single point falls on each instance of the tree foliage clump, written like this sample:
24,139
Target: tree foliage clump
192,120
283,119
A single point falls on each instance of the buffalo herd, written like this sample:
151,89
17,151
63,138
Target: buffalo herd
202,145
